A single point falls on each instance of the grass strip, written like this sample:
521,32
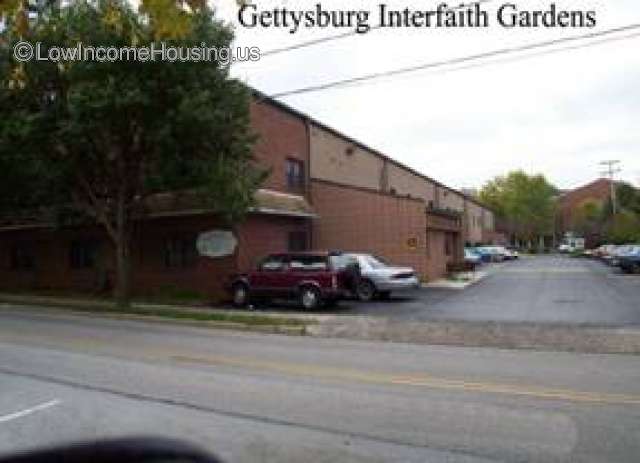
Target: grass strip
205,315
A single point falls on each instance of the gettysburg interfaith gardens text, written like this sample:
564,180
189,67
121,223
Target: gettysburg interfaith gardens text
443,15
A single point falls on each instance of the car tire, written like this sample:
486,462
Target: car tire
310,298
384,295
240,295
365,291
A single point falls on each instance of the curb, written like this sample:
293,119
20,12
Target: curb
544,337
519,336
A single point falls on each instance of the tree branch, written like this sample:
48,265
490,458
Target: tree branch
99,208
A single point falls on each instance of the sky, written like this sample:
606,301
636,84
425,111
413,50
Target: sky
558,114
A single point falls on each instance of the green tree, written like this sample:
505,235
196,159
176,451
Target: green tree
628,197
623,228
100,138
525,202
589,218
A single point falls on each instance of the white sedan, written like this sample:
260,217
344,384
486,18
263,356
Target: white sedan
374,277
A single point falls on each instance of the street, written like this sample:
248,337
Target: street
250,397
541,289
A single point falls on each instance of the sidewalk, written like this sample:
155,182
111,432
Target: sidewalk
460,281
530,336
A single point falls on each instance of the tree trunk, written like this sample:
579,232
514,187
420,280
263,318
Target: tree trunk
123,271
123,253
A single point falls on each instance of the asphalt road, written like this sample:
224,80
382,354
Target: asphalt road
267,398
542,289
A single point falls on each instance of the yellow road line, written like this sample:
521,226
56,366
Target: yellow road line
417,381
86,344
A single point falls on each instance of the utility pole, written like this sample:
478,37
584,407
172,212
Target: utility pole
610,172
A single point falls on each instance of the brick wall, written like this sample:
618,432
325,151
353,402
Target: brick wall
354,219
449,199
151,276
599,190
405,182
474,223
260,235
281,135
337,159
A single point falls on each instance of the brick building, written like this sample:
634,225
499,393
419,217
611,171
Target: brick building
325,191
368,202
570,201
164,257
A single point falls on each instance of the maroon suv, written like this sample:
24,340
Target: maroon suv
312,278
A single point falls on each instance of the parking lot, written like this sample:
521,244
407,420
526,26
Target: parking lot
540,289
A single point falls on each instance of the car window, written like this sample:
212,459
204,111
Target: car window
272,264
374,262
308,263
342,261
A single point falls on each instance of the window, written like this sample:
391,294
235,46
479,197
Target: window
22,257
298,241
83,253
374,262
180,251
272,264
294,171
308,263
341,261
447,244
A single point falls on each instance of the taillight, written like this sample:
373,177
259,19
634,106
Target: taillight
334,281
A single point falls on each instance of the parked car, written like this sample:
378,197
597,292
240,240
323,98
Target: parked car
514,252
472,257
496,253
565,248
368,276
621,252
508,253
604,252
484,253
312,278
630,262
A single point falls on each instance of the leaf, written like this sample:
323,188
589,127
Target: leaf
9,7
168,19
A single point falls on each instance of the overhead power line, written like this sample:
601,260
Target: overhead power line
467,59
510,59
343,35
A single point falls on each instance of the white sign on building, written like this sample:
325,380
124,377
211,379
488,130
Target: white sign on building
216,243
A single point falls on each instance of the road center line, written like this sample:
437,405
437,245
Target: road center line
29,411
425,381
